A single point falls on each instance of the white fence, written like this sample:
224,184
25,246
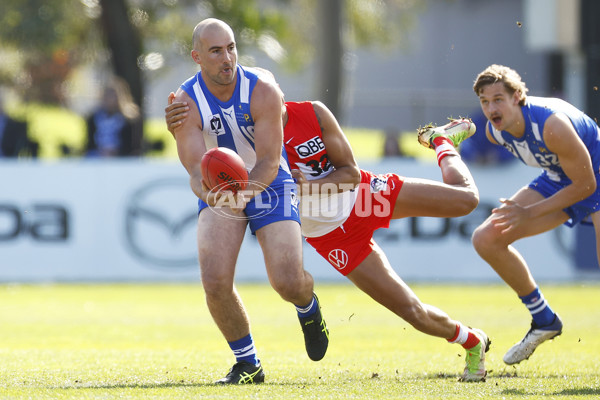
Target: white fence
134,220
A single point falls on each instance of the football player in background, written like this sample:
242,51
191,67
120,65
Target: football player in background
553,135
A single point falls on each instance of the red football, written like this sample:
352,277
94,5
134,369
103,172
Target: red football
224,168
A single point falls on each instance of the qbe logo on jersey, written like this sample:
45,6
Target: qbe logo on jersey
310,147
338,258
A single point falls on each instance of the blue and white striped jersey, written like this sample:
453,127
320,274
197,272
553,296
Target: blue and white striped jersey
230,124
531,148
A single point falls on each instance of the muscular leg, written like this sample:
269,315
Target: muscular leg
455,197
219,241
282,248
281,243
375,277
495,247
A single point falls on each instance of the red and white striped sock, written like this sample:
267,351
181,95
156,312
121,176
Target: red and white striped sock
444,147
465,337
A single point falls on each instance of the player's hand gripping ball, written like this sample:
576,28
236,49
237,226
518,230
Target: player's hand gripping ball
224,169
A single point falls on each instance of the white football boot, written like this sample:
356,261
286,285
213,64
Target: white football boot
536,336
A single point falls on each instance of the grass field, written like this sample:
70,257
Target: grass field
156,341
54,127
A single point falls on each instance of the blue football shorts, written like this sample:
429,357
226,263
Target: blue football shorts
278,202
579,211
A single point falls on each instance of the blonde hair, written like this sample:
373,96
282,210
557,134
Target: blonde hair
499,73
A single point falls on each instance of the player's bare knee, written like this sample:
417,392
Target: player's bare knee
484,239
293,288
215,281
290,290
469,201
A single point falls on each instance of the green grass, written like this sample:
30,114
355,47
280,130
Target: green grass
157,341
367,144
53,127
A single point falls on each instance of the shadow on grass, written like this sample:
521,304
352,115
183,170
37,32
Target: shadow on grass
168,385
578,392
565,392
164,385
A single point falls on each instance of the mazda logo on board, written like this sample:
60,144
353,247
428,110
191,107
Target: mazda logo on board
160,223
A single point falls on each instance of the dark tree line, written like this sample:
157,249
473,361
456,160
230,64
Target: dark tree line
44,41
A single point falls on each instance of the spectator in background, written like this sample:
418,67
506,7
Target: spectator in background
391,144
110,129
13,136
479,150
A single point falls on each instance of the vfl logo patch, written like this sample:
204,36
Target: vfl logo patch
338,258
508,147
310,147
378,184
216,125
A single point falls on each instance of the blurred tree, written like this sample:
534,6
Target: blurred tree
42,41
331,53
38,48
123,40
350,24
